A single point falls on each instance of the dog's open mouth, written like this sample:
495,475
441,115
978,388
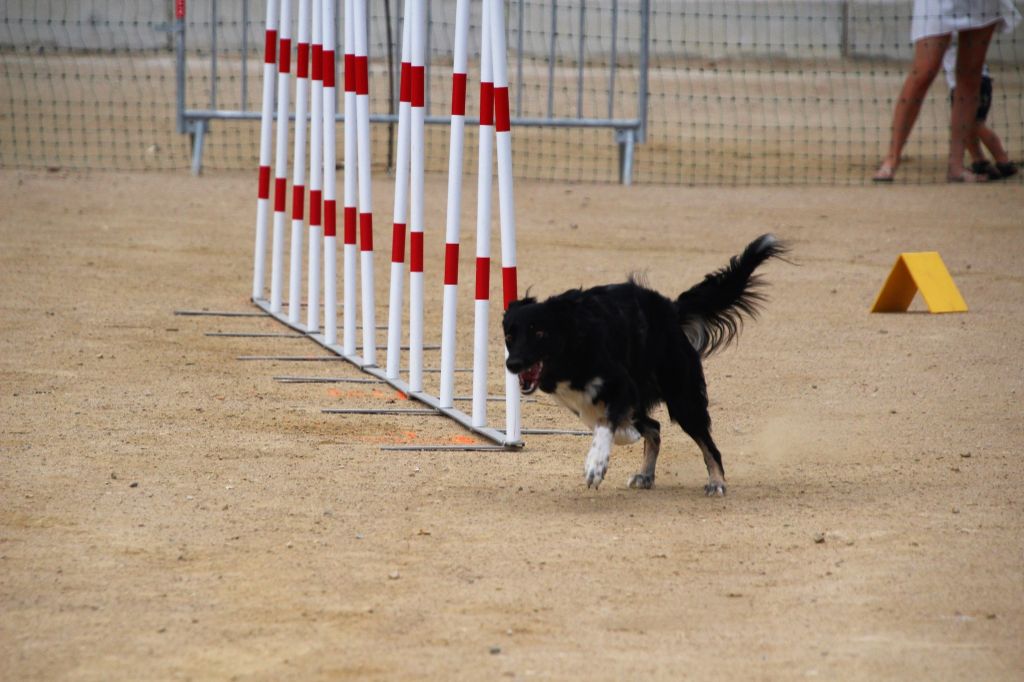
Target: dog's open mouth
529,378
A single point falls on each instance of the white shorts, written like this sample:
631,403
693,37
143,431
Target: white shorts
944,17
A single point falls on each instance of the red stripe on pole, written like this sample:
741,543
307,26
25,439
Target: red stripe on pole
451,263
298,199
405,87
330,218
179,9
483,278
350,73
366,232
417,86
458,94
398,243
318,63
270,48
501,119
328,73
487,104
264,186
302,61
416,252
286,56
508,285
350,224
362,76
314,207
280,190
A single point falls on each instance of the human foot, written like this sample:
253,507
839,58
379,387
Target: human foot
1007,170
987,169
885,173
966,176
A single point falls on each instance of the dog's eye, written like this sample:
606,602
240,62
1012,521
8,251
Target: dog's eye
508,338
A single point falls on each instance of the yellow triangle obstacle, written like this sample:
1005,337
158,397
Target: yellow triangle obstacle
924,272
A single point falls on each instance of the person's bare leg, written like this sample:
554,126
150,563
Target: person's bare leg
992,142
927,61
970,57
973,143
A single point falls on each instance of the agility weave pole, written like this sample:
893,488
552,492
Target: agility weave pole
284,55
401,202
266,121
318,21
316,169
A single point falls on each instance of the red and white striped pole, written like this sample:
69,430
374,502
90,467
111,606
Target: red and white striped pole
266,123
330,203
395,302
483,224
351,212
454,211
419,31
284,56
299,165
316,169
506,200
364,165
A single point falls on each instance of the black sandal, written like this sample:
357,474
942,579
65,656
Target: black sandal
987,169
1007,170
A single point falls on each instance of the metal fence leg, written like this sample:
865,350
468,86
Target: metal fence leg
627,145
198,137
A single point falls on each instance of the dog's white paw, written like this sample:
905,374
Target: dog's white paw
596,463
596,466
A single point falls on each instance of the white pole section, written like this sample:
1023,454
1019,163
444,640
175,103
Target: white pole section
364,165
419,30
316,169
454,211
330,182
299,165
284,56
349,277
506,200
483,224
395,302
266,130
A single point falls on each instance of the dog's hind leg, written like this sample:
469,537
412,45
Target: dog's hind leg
651,431
713,461
693,418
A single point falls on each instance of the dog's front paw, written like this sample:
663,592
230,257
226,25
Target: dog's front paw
595,467
641,481
715,490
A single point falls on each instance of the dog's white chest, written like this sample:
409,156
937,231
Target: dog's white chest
591,412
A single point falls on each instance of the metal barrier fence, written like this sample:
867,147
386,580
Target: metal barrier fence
721,92
525,21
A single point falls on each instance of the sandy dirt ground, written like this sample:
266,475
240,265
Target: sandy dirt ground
169,512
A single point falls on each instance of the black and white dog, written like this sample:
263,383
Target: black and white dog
613,353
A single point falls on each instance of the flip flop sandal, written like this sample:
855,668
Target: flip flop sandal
883,175
966,176
987,169
1007,170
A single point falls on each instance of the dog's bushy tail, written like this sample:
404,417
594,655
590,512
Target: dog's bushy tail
711,313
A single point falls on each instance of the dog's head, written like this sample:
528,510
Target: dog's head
532,336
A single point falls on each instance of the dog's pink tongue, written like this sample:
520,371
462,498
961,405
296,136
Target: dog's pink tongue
528,377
